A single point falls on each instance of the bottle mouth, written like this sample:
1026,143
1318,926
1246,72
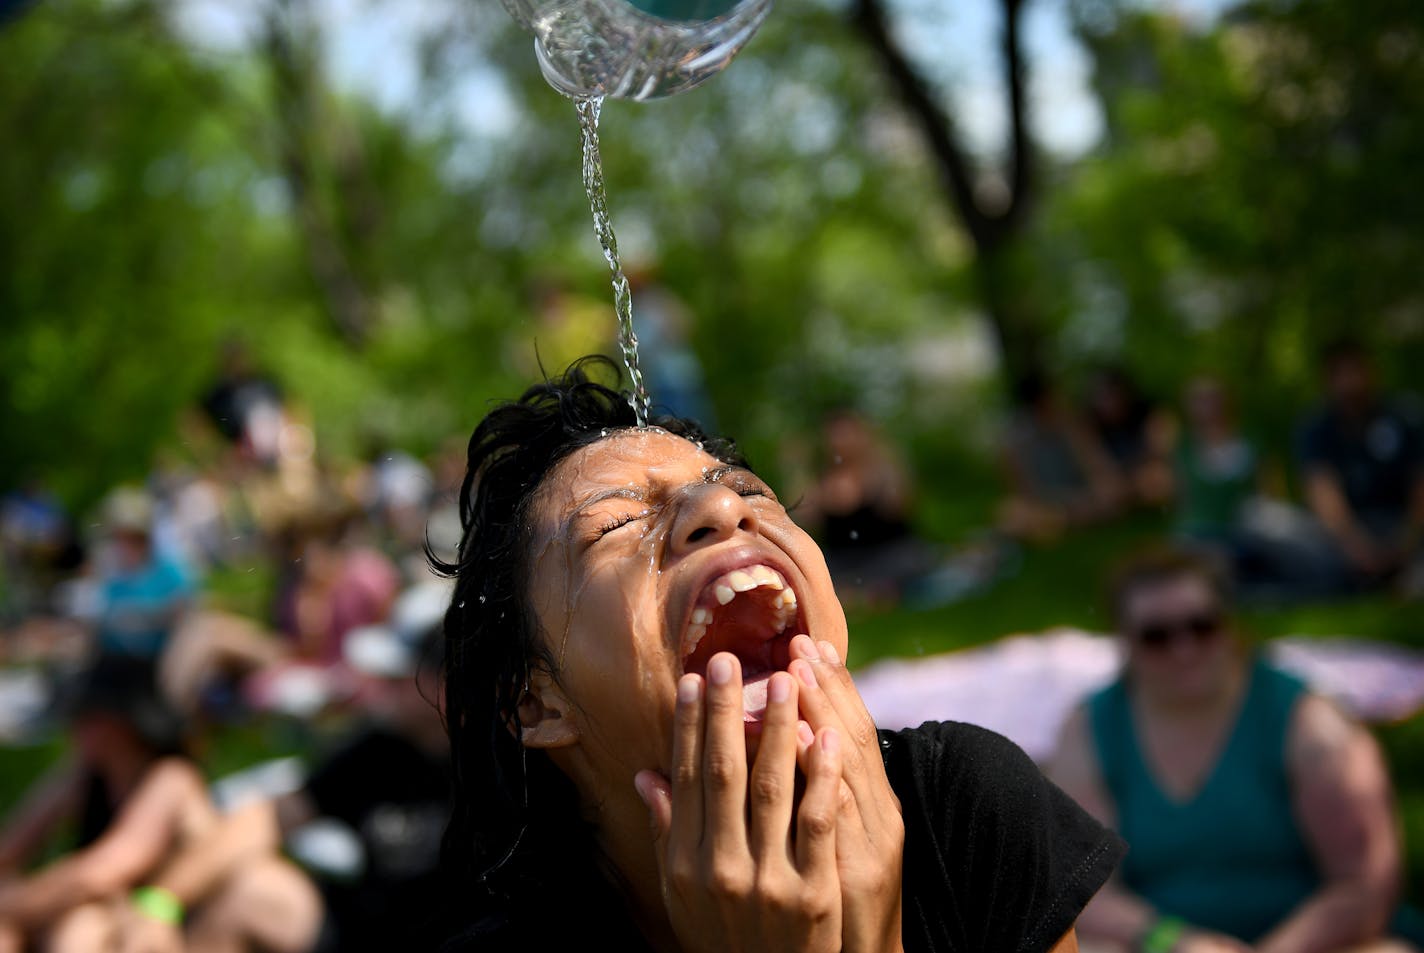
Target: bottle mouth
688,41
691,11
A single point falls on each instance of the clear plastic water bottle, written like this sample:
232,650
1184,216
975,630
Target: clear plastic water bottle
635,49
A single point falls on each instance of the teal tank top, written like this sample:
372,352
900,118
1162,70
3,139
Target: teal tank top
1231,858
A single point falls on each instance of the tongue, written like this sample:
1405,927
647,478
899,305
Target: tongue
754,697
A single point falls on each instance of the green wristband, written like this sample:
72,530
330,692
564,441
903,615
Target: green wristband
1162,936
158,903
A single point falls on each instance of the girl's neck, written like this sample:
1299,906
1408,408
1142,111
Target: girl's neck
627,860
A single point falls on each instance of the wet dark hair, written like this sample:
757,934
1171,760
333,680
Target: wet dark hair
512,807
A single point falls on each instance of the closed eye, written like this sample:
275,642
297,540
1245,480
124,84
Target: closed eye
617,522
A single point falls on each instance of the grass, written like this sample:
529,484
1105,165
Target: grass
1051,586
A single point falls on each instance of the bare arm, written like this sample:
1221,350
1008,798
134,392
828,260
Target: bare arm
1414,532
51,799
134,843
1115,914
253,830
1327,501
1343,803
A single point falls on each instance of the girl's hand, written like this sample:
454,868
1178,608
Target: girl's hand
742,868
870,832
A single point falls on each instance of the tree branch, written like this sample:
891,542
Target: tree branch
1022,181
934,122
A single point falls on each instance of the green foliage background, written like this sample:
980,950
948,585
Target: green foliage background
1256,192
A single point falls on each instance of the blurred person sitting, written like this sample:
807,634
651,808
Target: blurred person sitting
136,800
859,504
1362,461
1133,431
1059,475
388,783
331,582
38,547
1270,549
396,492
1256,812
245,406
143,592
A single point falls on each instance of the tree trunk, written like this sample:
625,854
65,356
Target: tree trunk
993,231
347,301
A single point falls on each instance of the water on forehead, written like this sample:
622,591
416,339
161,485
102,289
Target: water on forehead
644,461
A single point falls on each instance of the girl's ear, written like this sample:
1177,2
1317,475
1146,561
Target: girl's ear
545,714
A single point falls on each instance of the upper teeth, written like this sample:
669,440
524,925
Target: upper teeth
726,588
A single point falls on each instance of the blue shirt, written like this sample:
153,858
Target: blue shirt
140,607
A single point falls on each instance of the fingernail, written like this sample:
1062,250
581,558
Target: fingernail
804,734
811,651
828,651
720,671
643,785
803,672
779,690
830,741
687,689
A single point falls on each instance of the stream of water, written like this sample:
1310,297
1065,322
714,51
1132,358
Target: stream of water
588,113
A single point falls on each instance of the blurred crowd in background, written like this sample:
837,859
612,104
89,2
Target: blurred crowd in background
111,636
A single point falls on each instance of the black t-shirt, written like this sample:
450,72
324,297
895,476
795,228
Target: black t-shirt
396,796
997,858
1377,460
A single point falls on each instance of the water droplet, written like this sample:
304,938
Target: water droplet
461,605
482,600
854,535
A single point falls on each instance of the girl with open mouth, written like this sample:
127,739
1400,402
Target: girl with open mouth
657,745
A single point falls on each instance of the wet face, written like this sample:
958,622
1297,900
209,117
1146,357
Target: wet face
1180,649
649,557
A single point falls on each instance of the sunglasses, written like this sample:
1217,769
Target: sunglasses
1200,627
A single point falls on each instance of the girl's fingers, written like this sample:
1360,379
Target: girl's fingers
685,820
656,793
821,714
816,818
773,778
824,681
724,756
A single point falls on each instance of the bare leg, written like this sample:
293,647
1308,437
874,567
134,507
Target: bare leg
90,928
267,905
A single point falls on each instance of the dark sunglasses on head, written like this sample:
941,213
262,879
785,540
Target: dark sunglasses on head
1199,627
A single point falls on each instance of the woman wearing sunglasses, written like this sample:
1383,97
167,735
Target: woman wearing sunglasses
1258,816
